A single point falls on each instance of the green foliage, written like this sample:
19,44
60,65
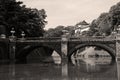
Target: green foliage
58,31
106,22
115,14
93,28
15,14
70,29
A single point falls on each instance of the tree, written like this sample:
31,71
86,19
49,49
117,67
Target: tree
70,29
103,23
115,15
106,22
15,15
56,32
93,28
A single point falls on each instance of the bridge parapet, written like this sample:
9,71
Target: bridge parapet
98,38
40,39
4,39
59,39
63,44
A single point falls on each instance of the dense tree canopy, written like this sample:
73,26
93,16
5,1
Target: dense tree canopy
54,32
115,15
15,15
58,31
106,22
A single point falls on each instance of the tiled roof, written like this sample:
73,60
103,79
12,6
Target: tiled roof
82,23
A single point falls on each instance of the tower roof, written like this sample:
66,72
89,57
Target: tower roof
82,23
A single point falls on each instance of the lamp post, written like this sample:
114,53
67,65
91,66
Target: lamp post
118,29
103,34
113,33
12,37
23,35
12,32
12,45
118,43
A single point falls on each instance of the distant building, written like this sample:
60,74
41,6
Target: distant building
81,27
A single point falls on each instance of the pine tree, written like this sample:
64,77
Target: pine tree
15,15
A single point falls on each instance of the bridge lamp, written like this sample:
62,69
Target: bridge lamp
2,36
23,34
103,34
118,29
65,31
113,32
13,32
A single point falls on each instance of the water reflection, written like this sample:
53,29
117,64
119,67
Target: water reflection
36,57
82,68
118,69
65,71
93,72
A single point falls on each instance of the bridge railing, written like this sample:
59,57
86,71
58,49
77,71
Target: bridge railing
4,39
94,38
40,39
82,38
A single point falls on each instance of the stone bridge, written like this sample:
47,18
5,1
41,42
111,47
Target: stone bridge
19,48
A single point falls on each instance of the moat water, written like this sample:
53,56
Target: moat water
79,69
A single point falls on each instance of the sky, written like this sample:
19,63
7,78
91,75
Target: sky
70,12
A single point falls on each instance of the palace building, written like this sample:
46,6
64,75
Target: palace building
81,27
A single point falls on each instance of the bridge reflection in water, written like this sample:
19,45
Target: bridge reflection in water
83,69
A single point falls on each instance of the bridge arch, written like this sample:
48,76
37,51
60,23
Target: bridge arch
102,46
25,51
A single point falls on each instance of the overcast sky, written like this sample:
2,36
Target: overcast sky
69,12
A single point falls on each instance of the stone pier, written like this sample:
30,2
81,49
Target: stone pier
118,47
64,47
12,50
